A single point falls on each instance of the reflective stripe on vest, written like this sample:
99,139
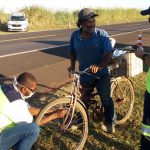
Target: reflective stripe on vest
5,121
145,129
3,100
148,81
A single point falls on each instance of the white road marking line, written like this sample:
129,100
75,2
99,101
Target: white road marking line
62,45
42,49
28,38
129,32
133,25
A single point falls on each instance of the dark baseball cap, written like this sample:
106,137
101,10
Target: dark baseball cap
145,12
86,13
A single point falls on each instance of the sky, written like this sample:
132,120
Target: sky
69,5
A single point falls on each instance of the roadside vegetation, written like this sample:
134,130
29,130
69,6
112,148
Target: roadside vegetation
41,18
127,135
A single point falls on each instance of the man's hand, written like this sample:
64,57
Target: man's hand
94,68
140,52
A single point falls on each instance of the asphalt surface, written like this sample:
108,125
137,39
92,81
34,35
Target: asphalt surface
45,53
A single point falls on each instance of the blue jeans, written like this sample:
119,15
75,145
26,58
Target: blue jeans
103,88
20,137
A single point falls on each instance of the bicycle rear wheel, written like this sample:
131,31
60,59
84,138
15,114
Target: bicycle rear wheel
54,137
122,93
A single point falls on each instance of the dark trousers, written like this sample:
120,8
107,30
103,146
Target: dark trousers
103,88
145,140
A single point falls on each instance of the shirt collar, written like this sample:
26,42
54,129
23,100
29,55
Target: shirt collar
15,87
79,31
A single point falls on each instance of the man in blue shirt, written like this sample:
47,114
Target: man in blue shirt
92,48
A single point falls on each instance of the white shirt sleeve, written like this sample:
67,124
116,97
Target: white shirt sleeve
18,112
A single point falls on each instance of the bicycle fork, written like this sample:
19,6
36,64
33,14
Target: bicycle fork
70,112
72,106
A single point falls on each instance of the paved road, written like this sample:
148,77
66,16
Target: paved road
45,53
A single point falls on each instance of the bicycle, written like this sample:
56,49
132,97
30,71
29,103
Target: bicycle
74,125
122,93
71,131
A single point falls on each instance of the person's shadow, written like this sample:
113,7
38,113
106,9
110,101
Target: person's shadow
5,80
39,99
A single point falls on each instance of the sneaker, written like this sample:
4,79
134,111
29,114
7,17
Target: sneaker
109,128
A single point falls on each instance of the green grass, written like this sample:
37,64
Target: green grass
41,18
127,135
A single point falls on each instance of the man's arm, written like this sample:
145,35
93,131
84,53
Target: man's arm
34,110
140,54
52,116
72,61
106,59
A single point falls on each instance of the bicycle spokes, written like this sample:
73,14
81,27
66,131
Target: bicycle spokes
65,133
123,96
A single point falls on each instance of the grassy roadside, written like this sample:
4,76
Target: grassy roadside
41,18
127,135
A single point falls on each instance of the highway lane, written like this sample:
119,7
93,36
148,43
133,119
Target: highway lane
34,41
45,53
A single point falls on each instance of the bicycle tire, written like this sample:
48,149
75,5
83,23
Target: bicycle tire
58,139
123,103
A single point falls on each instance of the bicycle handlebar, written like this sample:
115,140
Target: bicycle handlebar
85,71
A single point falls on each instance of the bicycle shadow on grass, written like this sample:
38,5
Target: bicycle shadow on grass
40,99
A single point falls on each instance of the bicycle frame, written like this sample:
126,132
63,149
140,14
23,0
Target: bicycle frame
74,97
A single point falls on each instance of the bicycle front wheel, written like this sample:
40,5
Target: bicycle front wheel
54,137
122,93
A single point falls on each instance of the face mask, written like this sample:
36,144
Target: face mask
24,96
30,95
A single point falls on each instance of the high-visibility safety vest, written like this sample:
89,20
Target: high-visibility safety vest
5,121
148,81
13,108
145,129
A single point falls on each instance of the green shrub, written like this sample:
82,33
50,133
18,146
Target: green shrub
41,18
